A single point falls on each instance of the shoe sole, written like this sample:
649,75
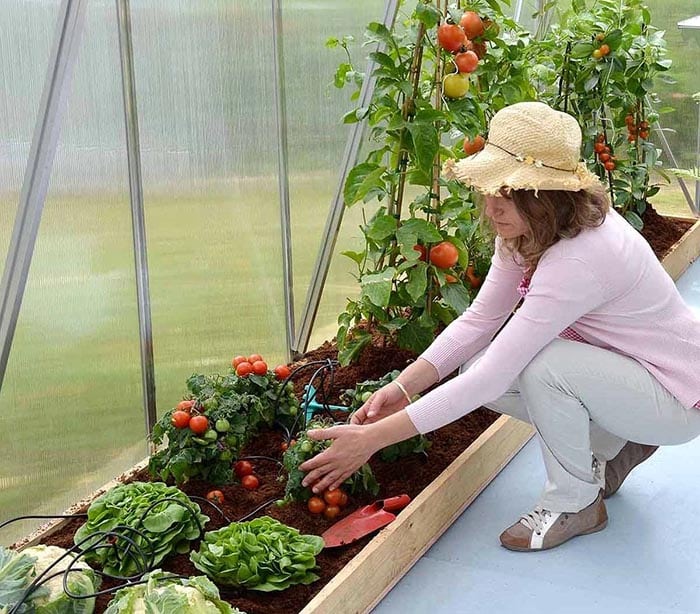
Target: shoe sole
610,494
595,529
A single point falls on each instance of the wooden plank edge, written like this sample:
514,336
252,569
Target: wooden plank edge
382,563
684,251
81,506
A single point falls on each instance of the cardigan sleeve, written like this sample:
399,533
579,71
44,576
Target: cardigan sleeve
561,291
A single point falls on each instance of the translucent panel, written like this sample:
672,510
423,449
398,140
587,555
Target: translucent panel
72,415
205,87
23,63
317,139
684,120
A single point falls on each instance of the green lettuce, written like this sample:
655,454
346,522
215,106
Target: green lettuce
165,517
261,554
162,593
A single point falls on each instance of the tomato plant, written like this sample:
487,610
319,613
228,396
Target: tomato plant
426,101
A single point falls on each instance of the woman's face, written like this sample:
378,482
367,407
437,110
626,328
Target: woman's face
505,217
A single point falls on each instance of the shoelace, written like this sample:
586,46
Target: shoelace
535,519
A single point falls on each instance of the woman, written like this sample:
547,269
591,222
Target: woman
601,357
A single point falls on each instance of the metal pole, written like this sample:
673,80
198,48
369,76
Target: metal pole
697,161
138,222
335,215
518,10
69,27
283,175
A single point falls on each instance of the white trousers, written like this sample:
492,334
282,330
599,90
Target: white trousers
587,402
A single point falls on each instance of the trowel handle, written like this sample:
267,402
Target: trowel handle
394,504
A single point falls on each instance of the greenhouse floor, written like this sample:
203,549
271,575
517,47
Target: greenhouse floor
646,560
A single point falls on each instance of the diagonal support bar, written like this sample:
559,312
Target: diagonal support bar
57,85
335,215
138,221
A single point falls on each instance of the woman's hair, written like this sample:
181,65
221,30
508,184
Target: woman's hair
552,215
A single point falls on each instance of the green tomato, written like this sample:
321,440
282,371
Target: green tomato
226,455
211,435
222,425
365,397
200,441
292,411
455,85
305,446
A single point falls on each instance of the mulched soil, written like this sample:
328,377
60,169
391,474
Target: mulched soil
409,475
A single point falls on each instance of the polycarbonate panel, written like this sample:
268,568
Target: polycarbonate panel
205,88
317,139
72,413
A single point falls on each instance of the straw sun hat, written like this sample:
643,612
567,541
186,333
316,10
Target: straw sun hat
530,146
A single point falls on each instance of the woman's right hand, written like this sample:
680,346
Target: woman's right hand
386,401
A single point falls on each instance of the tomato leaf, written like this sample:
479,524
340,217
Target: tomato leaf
634,220
426,144
417,281
377,286
381,227
415,337
456,296
361,180
427,14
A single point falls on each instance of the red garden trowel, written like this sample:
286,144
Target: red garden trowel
364,521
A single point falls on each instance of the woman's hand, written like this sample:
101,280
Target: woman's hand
351,448
387,400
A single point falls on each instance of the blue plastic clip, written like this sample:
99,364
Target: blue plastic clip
313,406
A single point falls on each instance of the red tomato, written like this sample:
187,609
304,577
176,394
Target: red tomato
422,251
185,405
343,499
254,358
609,165
599,147
283,446
282,372
333,497
605,49
260,367
451,37
215,496
238,360
316,505
244,369
180,419
604,157
250,482
331,512
467,61
243,468
471,24
471,147
451,279
199,425
444,255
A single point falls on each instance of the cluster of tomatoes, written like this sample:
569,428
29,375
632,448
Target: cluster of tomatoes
635,129
182,418
329,504
463,41
444,255
245,365
602,150
246,474
600,52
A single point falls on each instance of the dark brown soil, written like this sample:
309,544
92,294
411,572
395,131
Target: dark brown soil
408,475
662,232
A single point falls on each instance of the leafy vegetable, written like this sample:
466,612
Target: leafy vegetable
261,554
19,570
162,593
354,398
304,449
159,519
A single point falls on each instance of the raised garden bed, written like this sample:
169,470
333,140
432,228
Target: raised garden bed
464,458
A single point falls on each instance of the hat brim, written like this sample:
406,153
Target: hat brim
491,169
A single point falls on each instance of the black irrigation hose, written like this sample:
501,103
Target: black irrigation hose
211,504
41,517
256,510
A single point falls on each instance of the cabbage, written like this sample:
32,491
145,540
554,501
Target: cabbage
19,570
162,593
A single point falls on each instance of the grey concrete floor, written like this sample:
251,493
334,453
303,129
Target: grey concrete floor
647,561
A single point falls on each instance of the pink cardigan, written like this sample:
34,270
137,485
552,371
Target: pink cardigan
606,285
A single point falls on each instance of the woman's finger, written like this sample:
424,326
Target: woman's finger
315,462
326,482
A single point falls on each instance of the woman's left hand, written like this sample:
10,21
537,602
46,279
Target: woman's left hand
352,447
